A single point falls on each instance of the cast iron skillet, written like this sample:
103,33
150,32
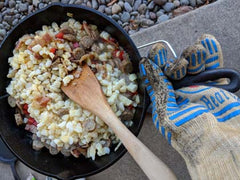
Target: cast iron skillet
17,139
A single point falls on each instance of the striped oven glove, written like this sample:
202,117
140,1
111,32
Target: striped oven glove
201,122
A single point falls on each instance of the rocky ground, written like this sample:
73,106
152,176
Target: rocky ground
132,15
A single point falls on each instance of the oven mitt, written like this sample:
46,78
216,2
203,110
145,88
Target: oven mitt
201,122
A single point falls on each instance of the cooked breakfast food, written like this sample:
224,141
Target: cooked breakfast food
44,61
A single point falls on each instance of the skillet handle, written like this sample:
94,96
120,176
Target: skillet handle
210,75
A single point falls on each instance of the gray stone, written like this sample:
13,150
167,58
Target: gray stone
23,7
127,7
89,4
11,3
125,17
152,15
116,8
102,1
8,19
101,8
126,28
184,2
151,5
131,2
130,32
162,18
176,3
160,2
134,13
137,4
120,22
17,16
159,13
146,22
15,21
71,1
156,8
3,32
41,5
64,1
125,24
201,2
94,4
108,11
78,2
121,4
142,8
115,17
108,1
55,1
1,5
1,18
168,7
193,3
35,3
30,9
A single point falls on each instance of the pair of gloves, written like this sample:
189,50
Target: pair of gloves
201,122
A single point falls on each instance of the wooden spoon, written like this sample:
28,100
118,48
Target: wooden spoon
86,91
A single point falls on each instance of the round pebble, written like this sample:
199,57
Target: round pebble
11,4
64,1
41,5
101,8
142,8
94,4
134,13
163,18
151,5
78,2
201,2
146,22
127,7
116,8
160,2
23,7
168,7
137,4
1,5
125,17
89,4
15,21
131,2
115,17
176,3
184,2
3,32
121,4
152,15
108,11
193,3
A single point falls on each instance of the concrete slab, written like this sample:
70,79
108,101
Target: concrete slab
220,19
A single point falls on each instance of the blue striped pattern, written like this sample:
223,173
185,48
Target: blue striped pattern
149,87
199,57
146,81
170,99
171,104
193,60
193,92
169,136
171,94
190,117
151,93
183,71
172,109
184,111
209,46
183,102
213,66
156,59
154,117
143,72
196,69
212,59
226,108
229,116
170,87
203,43
165,54
157,125
163,131
178,74
161,58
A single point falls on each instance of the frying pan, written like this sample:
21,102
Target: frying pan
17,139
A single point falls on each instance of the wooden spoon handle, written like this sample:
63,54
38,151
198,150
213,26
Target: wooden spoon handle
152,166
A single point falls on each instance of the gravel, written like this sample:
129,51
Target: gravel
125,17
128,7
132,15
